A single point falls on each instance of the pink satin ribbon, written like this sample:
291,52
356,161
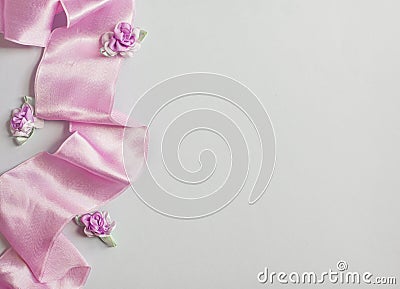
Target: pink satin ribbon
75,83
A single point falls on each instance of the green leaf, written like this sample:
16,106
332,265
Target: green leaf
142,35
109,241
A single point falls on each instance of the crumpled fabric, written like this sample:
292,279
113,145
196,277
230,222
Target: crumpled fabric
74,83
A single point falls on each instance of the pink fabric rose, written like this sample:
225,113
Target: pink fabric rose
97,224
124,41
123,38
22,121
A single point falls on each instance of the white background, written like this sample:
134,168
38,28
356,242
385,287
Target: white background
328,74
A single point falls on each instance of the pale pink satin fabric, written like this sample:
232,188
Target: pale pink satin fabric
74,82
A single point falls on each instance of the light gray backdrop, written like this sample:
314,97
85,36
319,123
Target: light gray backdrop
328,74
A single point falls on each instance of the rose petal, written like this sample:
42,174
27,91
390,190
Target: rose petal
15,111
107,217
112,226
21,140
88,233
120,47
118,35
136,32
124,25
85,219
127,54
106,37
109,51
27,109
